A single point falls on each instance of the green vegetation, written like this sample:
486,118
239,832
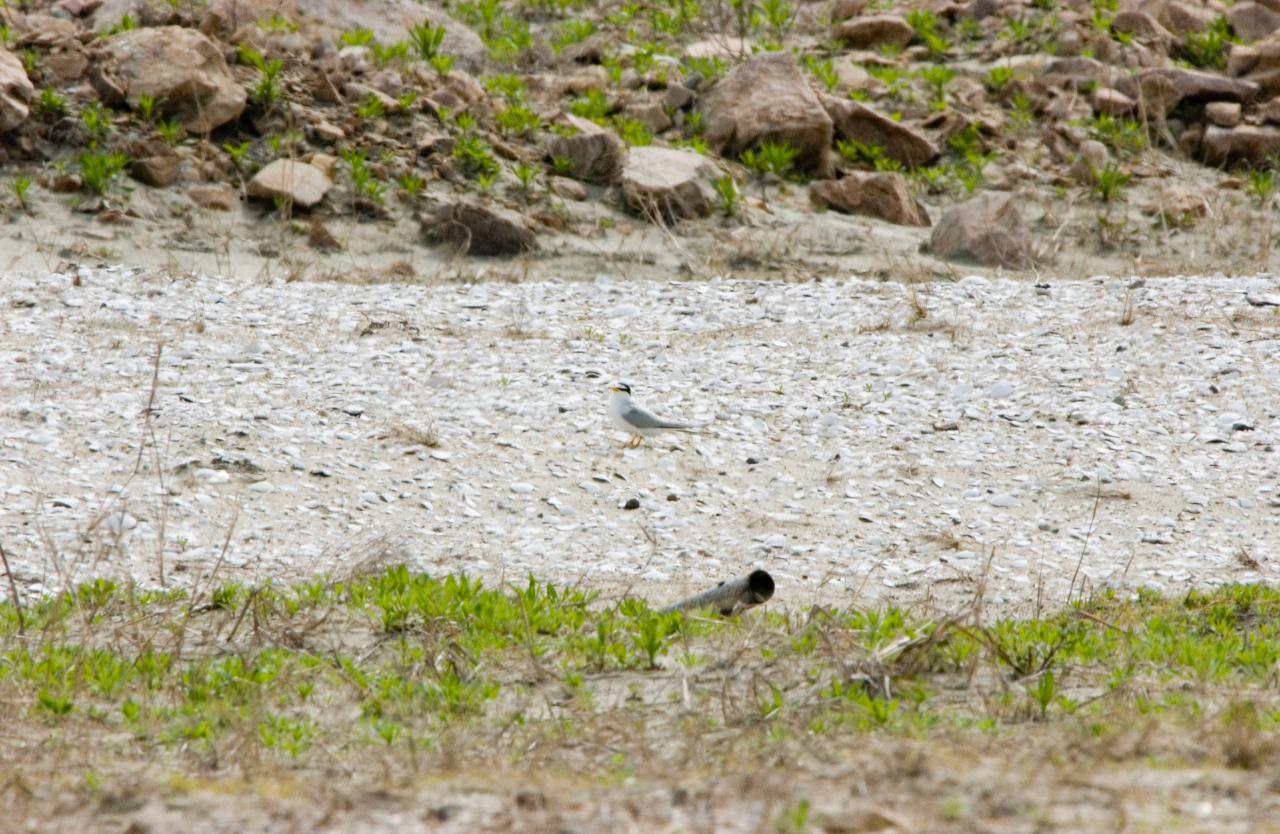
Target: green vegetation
526,175
371,108
517,120
363,182
1262,183
476,157
412,184
866,154
49,106
824,71
591,105
356,37
1109,182
20,186
276,23
126,23
97,122
936,77
426,40
728,198
266,92
1122,135
147,107
98,170
633,132
775,158
998,78
1208,48
928,31
406,669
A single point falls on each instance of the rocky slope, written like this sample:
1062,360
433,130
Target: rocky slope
341,139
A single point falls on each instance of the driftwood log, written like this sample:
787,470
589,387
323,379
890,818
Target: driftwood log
732,596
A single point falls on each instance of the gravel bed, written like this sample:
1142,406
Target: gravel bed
862,439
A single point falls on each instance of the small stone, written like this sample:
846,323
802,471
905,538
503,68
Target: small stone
885,196
212,197
874,31
522,488
667,183
301,184
987,228
476,229
632,504
1004,501
1001,390
595,153
1111,102
211,476
156,171
1223,113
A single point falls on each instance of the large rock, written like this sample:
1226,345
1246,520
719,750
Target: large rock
475,229
16,91
159,171
1179,18
987,229
1258,63
1243,144
767,99
298,183
1252,21
1159,91
1112,102
1142,27
1223,113
42,30
845,9
667,183
883,196
223,18
145,13
182,70
856,121
389,20
597,154
874,31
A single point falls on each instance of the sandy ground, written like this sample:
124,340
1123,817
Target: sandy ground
862,440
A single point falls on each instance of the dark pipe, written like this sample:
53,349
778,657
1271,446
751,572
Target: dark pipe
731,597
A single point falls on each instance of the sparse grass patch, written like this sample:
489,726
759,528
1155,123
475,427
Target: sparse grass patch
1262,183
266,92
864,153
1208,48
728,198
395,673
1109,182
20,188
363,182
98,170
1122,135
50,106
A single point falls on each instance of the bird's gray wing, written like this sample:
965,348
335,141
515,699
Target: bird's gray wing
641,419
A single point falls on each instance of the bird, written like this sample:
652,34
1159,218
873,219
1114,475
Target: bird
634,420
